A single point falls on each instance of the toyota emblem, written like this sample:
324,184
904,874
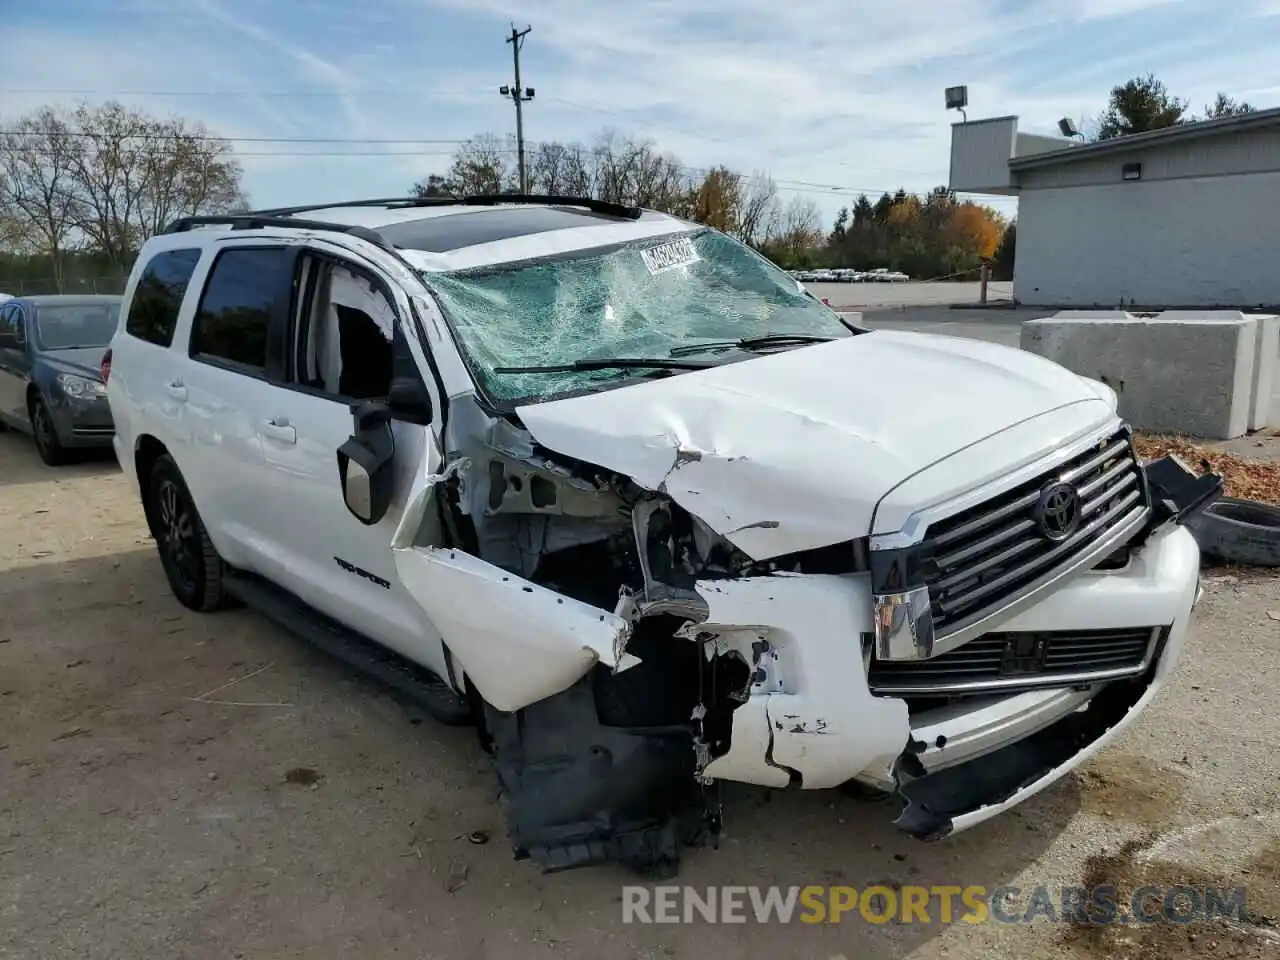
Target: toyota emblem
1058,511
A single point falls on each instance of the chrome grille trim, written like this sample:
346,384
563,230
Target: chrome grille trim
986,560
1071,658
986,555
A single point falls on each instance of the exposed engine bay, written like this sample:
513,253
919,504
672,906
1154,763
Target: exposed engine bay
648,727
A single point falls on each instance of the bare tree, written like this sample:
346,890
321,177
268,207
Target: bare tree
187,171
796,227
37,190
757,208
627,170
613,168
550,169
106,178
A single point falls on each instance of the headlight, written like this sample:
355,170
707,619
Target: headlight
903,615
74,386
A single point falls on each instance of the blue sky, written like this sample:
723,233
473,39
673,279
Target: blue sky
828,96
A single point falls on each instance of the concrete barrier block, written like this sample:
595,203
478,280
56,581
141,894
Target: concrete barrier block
1175,372
1093,315
1265,371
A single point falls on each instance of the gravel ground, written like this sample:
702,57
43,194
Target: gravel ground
302,814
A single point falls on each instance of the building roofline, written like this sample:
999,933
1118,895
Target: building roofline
977,123
1197,130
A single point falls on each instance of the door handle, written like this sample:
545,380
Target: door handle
176,389
276,430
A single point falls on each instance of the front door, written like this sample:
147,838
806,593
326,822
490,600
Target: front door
340,354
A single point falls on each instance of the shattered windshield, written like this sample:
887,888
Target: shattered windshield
641,300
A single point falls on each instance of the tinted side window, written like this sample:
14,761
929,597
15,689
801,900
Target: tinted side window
153,312
248,291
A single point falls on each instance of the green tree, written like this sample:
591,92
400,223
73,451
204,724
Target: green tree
1224,106
1139,105
433,185
840,229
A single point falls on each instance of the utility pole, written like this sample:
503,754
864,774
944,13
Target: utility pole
519,95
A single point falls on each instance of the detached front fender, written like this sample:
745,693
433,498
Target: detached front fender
518,642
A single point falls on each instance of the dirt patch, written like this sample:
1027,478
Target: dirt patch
1130,789
1244,477
1249,931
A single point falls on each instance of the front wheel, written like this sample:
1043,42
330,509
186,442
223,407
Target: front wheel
50,448
191,564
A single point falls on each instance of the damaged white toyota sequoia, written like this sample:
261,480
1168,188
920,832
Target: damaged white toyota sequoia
620,492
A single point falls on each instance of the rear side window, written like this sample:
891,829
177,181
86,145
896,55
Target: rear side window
153,311
249,291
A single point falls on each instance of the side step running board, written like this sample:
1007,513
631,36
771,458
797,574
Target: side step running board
384,666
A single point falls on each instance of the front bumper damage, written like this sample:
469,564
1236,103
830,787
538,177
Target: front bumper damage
601,759
954,765
949,764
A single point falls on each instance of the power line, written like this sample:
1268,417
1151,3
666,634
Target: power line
316,94
188,137
784,184
395,91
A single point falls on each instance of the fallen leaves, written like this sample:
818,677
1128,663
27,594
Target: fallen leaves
1245,478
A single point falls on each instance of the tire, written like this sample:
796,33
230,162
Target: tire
191,564
1246,532
50,448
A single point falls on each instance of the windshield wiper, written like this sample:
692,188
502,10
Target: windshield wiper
749,343
606,363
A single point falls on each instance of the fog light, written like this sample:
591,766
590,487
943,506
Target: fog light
904,625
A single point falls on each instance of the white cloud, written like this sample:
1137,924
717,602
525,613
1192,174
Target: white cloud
822,91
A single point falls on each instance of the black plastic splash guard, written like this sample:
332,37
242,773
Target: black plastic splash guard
1176,492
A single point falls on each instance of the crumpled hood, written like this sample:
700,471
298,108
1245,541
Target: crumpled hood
793,450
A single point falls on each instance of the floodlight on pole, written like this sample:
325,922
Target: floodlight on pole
1068,128
958,99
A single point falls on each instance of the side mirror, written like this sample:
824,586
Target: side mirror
409,400
366,462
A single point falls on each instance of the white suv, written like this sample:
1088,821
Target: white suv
614,488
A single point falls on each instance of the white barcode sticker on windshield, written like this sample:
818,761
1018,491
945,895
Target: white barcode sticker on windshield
668,256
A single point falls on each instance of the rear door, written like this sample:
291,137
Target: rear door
226,390
144,389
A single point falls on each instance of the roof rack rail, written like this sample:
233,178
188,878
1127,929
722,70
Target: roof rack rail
391,202
254,221
474,200
596,206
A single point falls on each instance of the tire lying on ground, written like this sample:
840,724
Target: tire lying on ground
1239,531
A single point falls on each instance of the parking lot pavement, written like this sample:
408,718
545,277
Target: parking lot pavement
854,296
148,809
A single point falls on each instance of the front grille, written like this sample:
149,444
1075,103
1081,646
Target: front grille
982,558
1007,661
